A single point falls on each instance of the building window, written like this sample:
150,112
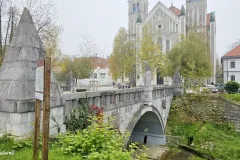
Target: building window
134,7
177,28
160,16
95,75
102,75
138,8
232,77
168,45
132,28
170,25
232,65
200,17
174,27
160,42
187,17
195,15
190,18
159,26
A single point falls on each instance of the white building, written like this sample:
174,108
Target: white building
101,73
167,24
231,65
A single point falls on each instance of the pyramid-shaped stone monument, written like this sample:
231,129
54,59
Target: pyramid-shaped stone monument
177,79
18,71
17,82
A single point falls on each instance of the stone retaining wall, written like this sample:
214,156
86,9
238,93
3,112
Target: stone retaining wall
215,108
22,124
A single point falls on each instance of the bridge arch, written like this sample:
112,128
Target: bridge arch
147,126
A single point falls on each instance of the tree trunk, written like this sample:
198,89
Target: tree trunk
8,25
1,46
12,25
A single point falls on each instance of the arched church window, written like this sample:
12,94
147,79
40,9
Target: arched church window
134,7
195,15
200,17
159,41
138,7
168,45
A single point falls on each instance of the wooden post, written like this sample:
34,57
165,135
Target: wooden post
37,129
46,108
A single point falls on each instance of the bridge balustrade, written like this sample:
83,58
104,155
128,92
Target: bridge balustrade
118,98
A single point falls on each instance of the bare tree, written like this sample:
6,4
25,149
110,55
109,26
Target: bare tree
43,13
89,49
235,44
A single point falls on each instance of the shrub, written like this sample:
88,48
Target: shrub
79,117
98,141
81,90
232,87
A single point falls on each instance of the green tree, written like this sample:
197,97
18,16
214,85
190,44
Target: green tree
122,58
219,72
51,43
191,57
81,67
150,52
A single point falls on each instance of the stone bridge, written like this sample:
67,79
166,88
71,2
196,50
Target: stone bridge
143,111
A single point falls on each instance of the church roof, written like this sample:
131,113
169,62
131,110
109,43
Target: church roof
175,10
233,53
165,9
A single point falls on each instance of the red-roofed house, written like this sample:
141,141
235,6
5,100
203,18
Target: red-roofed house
101,73
231,65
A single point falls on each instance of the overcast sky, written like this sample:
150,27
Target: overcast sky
101,20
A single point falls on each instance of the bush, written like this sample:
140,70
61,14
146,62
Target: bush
232,87
79,117
97,142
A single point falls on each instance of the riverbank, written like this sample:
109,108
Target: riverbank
214,136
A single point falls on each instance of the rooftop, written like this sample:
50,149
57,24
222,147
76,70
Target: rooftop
233,53
175,10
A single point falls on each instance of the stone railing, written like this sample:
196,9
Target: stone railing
117,98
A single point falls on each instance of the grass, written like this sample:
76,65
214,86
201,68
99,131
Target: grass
7,145
232,97
211,138
177,154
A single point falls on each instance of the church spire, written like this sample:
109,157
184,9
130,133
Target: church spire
182,11
139,19
212,17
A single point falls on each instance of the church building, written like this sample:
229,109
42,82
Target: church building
168,24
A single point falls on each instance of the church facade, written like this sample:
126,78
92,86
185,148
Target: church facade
168,24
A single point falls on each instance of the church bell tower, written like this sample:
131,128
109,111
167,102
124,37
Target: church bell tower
137,8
